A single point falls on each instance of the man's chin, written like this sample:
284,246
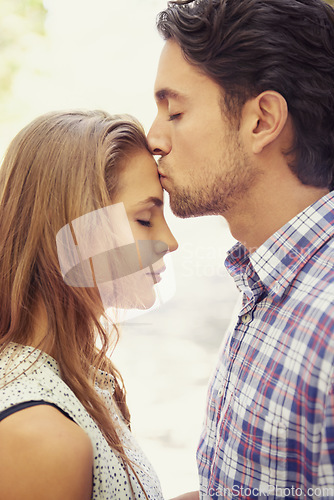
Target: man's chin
182,209
186,208
181,214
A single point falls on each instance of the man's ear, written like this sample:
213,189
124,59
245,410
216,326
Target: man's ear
265,117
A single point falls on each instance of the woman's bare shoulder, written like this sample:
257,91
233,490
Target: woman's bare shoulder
43,454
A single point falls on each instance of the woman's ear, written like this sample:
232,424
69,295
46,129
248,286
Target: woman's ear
265,117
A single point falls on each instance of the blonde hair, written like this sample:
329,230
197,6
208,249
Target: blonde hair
59,167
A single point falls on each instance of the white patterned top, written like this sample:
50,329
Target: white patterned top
27,374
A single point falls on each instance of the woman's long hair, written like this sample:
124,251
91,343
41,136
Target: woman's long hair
59,167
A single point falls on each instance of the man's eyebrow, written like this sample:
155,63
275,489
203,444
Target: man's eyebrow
168,93
152,199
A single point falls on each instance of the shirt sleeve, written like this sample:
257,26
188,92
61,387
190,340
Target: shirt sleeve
326,463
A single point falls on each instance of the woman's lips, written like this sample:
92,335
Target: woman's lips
156,274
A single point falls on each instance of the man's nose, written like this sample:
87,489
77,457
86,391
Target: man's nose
158,138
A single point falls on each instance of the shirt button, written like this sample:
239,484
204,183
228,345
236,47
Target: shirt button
220,392
246,318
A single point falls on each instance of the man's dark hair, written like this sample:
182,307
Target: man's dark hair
249,46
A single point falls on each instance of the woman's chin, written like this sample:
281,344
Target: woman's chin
144,302
139,301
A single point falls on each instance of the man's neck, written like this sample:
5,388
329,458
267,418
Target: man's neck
259,217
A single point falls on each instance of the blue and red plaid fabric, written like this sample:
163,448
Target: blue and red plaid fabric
269,427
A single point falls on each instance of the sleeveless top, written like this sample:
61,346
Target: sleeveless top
28,374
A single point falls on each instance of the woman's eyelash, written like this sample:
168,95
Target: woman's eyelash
145,223
174,117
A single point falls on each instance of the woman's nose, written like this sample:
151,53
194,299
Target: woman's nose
166,242
158,138
173,244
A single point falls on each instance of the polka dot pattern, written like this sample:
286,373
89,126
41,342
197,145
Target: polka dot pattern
27,374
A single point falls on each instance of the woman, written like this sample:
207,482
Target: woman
68,182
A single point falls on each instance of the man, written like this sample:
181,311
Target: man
245,129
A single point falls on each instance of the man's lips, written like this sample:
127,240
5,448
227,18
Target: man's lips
160,165
163,181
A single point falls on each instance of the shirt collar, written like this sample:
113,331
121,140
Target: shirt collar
23,359
281,257
27,357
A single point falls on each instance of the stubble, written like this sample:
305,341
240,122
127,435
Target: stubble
216,191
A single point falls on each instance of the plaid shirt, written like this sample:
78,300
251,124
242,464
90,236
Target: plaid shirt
269,428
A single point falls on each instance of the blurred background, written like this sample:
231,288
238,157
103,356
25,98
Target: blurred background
103,54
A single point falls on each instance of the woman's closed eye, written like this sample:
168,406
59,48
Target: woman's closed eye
146,223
